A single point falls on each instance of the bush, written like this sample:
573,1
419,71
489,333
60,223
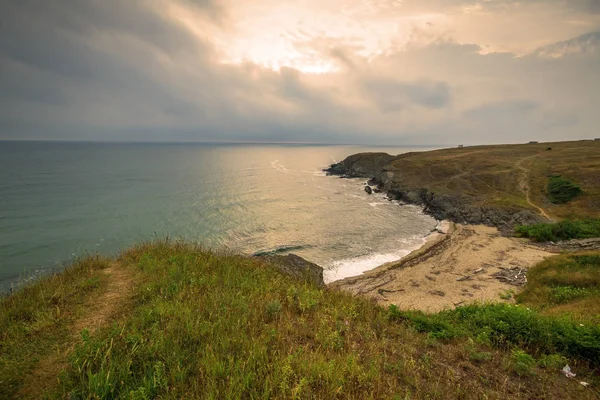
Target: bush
552,361
521,362
563,230
561,190
505,325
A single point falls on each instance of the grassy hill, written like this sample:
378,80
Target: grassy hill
509,176
171,320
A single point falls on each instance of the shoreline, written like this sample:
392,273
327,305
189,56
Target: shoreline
449,270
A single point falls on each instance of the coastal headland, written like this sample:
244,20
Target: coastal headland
486,192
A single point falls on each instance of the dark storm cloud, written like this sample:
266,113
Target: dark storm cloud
131,70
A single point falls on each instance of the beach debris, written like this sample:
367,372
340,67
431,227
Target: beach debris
567,371
584,384
458,303
515,276
463,278
478,270
382,291
437,293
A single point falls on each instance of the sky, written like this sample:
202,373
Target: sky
317,71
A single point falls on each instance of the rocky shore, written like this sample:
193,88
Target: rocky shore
382,175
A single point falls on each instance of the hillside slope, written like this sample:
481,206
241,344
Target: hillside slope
191,323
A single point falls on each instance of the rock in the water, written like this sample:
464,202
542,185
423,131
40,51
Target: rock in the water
368,189
297,267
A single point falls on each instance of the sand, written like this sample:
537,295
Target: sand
451,269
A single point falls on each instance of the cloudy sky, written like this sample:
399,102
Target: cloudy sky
334,71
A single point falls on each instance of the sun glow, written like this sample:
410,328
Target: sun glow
275,35
276,55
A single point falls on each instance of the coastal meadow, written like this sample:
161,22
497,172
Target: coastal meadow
204,324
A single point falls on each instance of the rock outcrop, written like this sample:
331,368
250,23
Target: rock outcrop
456,208
362,165
297,267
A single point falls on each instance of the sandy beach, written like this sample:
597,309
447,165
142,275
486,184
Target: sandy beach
451,269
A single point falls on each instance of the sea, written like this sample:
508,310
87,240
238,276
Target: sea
64,200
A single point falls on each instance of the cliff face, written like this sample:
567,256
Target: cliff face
457,207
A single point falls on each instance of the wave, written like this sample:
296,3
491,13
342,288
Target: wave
348,267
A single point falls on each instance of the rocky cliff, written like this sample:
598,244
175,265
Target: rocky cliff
458,207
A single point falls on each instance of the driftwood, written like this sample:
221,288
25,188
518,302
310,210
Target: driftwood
382,291
515,276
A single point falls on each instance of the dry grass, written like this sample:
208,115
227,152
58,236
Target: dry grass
567,284
491,175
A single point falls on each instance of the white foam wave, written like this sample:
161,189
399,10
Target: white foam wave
345,268
279,166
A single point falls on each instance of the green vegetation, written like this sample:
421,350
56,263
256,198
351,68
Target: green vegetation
565,284
34,321
563,230
508,326
561,190
206,325
521,362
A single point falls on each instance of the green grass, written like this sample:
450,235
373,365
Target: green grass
563,230
565,284
208,325
508,326
561,190
34,321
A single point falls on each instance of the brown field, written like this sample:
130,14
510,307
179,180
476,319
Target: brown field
509,175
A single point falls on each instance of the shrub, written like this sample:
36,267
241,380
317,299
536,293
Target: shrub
521,362
552,361
505,325
561,190
563,230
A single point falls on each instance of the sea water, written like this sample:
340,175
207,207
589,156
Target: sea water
61,200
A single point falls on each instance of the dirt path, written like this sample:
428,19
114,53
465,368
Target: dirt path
457,268
99,311
524,185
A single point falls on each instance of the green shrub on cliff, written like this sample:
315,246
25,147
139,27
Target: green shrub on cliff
563,230
561,190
